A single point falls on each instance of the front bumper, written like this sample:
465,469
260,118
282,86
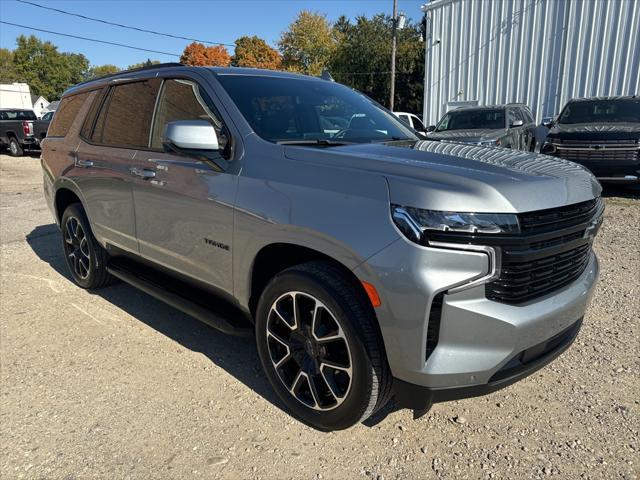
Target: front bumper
477,338
419,398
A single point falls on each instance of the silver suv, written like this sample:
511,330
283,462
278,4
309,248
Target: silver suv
370,265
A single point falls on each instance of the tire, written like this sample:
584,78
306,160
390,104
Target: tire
15,150
85,257
343,357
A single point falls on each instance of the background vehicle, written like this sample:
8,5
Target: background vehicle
508,126
603,134
17,131
41,126
413,121
368,264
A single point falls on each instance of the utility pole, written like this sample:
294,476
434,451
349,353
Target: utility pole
393,54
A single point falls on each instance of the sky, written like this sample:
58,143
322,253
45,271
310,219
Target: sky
219,21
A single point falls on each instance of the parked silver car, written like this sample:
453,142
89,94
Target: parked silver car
369,264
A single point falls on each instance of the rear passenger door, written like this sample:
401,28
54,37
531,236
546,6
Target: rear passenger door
184,205
111,137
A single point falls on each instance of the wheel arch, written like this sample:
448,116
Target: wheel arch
276,257
66,193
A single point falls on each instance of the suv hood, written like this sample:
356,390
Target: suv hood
589,131
468,136
459,177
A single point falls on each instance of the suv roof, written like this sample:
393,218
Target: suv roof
612,97
166,66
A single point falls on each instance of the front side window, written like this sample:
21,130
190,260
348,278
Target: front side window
292,110
472,120
125,118
66,114
184,100
617,110
417,124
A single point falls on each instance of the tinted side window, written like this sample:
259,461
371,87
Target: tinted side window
66,114
125,118
184,100
511,116
90,118
417,124
527,114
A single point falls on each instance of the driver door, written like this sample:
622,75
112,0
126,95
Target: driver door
184,205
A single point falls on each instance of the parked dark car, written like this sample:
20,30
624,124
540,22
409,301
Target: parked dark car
509,126
41,126
17,130
602,133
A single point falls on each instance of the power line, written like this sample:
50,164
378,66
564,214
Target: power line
91,39
106,22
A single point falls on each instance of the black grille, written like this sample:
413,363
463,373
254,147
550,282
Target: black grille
551,251
520,282
556,218
619,154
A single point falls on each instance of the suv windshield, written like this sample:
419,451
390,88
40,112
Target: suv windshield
300,110
472,120
608,111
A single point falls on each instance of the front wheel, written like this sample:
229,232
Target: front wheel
320,347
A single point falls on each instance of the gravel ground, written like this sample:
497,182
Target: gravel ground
114,384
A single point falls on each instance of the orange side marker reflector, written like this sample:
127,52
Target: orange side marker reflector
372,293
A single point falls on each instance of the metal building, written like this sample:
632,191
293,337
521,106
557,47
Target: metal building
539,52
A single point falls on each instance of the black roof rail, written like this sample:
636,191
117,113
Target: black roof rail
133,70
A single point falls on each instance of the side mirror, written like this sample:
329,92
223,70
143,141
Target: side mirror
195,138
430,128
517,123
548,122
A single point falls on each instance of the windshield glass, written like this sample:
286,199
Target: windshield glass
608,111
472,120
289,109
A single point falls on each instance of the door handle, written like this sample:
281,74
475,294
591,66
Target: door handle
84,163
143,172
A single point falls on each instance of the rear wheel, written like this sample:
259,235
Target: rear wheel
15,150
320,347
86,259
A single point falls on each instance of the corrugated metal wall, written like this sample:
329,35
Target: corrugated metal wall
540,52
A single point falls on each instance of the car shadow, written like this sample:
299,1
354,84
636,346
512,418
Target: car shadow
236,355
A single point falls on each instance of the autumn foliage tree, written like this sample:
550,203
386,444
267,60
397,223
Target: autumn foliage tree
253,52
196,54
308,44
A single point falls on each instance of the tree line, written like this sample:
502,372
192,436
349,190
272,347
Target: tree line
356,53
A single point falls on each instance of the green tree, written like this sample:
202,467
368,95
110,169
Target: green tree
47,71
253,52
102,71
362,60
148,63
308,44
8,72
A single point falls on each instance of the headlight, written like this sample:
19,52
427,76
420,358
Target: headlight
490,143
416,223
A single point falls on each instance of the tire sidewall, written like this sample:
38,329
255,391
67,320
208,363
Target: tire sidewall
352,409
75,210
14,148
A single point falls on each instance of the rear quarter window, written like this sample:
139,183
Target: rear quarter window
66,114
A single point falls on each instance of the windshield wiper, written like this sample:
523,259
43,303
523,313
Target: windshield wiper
322,142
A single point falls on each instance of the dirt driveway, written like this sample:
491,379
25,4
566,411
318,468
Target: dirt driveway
114,384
